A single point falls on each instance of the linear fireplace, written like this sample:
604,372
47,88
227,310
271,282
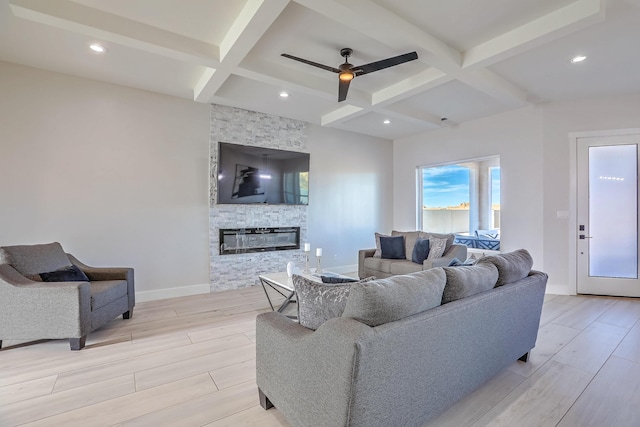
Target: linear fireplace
259,239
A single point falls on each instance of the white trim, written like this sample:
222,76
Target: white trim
573,195
181,291
558,290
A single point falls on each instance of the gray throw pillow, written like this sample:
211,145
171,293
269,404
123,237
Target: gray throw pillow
450,237
437,247
319,302
31,260
378,252
464,281
386,300
512,266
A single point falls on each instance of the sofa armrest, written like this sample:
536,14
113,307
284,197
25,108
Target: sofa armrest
455,251
362,254
43,309
295,366
108,273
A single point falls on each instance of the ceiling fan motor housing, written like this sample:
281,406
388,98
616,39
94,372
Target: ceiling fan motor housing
346,52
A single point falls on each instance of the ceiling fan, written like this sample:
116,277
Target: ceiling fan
346,72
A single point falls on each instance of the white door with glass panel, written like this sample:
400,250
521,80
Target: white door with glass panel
607,216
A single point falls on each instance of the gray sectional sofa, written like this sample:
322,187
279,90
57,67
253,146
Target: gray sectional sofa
397,356
371,264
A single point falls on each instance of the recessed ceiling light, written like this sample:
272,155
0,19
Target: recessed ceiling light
284,94
577,59
386,121
97,48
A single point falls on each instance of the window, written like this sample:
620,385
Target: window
462,198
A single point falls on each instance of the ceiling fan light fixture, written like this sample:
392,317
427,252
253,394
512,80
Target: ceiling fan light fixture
346,76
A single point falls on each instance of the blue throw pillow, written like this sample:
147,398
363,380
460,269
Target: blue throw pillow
420,251
65,274
392,247
336,278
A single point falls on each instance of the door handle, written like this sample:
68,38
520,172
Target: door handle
582,237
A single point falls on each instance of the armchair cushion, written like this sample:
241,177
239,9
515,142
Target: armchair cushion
107,291
65,274
32,260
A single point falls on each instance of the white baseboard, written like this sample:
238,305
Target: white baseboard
559,290
182,291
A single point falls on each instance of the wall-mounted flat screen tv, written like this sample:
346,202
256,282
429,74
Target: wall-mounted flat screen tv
250,175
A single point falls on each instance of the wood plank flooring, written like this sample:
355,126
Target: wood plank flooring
190,361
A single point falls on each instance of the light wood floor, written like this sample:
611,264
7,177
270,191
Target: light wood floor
191,362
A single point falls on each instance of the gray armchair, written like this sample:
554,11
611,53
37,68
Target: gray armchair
32,309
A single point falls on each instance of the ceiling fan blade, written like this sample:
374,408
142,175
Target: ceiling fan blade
343,88
315,64
385,63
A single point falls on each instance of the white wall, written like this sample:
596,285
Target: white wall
350,188
516,137
620,112
533,144
118,176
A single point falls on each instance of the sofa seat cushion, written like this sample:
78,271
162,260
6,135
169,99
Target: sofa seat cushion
404,267
32,260
465,281
386,300
107,291
512,266
380,264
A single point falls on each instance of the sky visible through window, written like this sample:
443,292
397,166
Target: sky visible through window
445,186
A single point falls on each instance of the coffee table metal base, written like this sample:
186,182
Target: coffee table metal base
281,285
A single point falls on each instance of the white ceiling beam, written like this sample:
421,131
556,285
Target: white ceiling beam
387,96
557,24
409,87
342,114
388,28
252,22
81,19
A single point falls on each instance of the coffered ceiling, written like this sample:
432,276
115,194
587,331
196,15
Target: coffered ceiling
476,58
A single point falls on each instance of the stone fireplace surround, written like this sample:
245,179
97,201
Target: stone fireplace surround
246,127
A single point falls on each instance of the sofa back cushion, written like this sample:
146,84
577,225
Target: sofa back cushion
386,300
31,260
512,266
465,281
410,238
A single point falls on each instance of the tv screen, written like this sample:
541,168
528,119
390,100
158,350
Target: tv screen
248,174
